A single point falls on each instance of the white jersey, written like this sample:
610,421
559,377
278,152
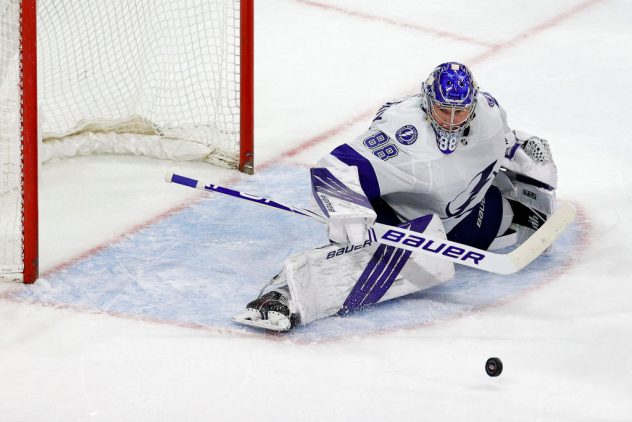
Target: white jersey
399,161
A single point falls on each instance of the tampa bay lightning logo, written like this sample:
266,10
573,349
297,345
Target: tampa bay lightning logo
470,196
490,100
406,135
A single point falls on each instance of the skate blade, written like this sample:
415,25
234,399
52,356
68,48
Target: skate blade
280,325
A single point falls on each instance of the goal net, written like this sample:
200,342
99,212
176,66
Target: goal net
164,78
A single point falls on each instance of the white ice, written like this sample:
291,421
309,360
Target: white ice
323,68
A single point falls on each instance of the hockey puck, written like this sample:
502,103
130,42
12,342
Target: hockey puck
493,367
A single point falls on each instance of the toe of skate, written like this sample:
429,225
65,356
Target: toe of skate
275,321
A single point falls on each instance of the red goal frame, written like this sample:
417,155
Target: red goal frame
29,116
30,161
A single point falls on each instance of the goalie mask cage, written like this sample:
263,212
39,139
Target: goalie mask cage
164,78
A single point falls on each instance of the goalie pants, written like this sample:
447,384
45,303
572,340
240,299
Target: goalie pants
483,224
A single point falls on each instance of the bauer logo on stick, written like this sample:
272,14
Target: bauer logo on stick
442,248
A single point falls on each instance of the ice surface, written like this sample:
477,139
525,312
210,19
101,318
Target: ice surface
183,270
127,322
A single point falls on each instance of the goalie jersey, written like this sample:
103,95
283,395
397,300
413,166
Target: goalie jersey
398,160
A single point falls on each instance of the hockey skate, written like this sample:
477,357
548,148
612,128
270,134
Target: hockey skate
270,311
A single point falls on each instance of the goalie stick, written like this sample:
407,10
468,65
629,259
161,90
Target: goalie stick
458,253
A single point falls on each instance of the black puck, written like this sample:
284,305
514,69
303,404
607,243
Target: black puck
493,367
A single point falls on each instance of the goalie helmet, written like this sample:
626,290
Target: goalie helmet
449,99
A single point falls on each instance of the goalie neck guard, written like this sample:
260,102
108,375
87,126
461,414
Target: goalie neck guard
449,100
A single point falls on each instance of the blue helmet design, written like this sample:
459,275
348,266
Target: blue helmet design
449,100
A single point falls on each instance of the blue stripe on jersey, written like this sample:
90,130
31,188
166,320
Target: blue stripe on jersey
381,271
368,178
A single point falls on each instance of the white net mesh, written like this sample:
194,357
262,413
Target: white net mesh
10,145
154,67
166,71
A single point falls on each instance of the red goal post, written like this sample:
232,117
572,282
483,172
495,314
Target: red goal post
166,71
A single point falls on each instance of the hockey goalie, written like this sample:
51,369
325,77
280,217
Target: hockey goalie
442,162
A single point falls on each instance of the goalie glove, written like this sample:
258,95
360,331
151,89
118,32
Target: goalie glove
528,182
531,156
340,197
